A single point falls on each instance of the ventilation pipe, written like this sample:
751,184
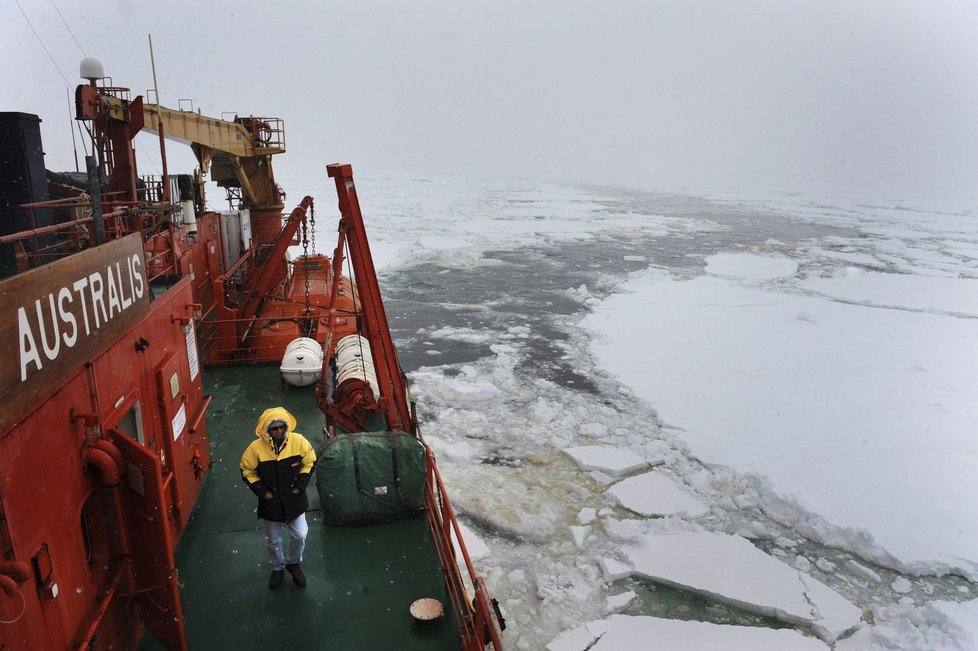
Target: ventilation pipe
99,452
110,449
8,586
12,574
86,425
19,571
104,463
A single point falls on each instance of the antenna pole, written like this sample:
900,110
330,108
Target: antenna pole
159,129
71,127
152,63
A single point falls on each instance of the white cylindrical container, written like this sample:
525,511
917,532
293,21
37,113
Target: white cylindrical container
352,344
354,361
189,215
302,363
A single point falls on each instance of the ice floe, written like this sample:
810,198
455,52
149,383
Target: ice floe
618,601
746,265
476,547
863,571
613,569
620,632
778,382
901,291
731,570
937,625
653,493
587,515
579,534
613,461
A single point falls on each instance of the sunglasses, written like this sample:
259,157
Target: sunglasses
277,428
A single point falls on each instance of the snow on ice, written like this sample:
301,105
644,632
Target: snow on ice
612,461
937,625
733,571
848,406
827,386
744,265
617,602
476,547
657,634
653,493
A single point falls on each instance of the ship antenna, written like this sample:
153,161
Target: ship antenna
68,27
43,46
71,128
159,125
152,63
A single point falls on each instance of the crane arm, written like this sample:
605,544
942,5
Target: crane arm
237,152
231,137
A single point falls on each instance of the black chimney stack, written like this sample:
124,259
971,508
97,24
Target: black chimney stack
23,179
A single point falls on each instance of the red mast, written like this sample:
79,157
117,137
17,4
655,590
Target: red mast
393,385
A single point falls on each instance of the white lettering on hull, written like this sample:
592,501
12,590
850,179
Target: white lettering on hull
28,347
102,293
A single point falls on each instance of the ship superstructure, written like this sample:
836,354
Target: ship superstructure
120,292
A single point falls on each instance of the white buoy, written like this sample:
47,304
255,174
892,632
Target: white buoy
302,363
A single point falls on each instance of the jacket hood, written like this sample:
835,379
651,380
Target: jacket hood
270,414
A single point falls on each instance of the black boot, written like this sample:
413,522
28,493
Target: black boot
275,580
297,575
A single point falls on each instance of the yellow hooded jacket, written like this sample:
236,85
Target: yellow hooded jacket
264,470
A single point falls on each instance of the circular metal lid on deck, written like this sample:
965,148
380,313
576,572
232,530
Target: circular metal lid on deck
426,609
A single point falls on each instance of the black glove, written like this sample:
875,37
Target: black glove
258,488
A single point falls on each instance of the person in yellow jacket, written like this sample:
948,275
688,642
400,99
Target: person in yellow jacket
276,467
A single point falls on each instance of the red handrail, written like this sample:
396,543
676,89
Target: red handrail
476,620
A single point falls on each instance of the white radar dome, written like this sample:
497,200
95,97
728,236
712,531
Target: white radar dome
91,69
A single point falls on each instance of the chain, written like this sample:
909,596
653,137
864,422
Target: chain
305,261
312,225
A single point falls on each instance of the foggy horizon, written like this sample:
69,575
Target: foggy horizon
875,99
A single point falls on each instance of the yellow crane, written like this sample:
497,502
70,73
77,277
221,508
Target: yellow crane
237,152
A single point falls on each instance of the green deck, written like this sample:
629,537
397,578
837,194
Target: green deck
361,580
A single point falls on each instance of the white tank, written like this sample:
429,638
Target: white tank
354,361
189,215
302,363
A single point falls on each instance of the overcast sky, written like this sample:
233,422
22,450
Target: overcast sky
873,97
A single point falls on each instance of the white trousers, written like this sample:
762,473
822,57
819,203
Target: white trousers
298,529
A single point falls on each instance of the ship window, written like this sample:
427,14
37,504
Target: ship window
86,527
98,530
131,424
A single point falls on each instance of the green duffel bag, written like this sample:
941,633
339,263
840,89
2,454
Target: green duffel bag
370,477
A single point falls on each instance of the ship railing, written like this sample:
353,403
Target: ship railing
268,132
61,239
476,620
273,133
207,334
105,87
152,188
47,243
159,264
220,341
